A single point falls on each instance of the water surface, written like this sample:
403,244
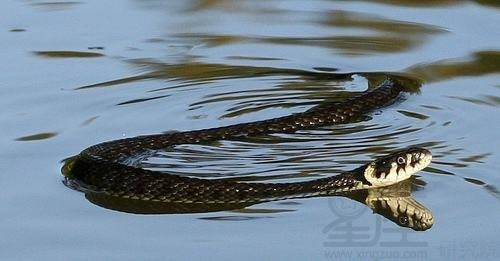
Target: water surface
78,73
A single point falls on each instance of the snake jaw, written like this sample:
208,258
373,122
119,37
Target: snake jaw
396,167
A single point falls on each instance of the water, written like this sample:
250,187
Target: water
78,73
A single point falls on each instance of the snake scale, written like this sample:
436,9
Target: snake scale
110,168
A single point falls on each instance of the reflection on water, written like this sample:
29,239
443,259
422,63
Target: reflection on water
357,20
38,136
480,63
393,202
67,54
189,73
17,30
292,87
348,45
54,6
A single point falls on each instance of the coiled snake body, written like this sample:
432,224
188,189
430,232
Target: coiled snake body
111,167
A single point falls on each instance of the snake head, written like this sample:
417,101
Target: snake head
404,211
397,166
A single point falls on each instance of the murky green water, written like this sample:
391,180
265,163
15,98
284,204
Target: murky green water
78,73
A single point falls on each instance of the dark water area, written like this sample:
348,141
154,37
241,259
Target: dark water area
75,74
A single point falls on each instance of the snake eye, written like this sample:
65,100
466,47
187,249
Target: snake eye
403,220
401,160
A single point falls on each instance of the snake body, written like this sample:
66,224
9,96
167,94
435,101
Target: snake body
110,168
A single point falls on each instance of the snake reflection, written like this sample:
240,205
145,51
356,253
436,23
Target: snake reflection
393,202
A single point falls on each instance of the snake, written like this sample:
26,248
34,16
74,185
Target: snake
112,168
